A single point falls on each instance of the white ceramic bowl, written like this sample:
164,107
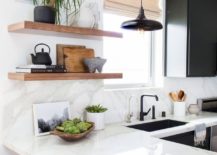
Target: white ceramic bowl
194,109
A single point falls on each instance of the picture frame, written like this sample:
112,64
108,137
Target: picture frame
49,115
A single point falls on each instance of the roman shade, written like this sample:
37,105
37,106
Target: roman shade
131,8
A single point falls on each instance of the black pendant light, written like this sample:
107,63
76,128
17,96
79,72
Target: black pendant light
142,23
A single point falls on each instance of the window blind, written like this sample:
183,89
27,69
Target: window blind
130,8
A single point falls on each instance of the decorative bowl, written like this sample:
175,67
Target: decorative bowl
72,137
194,109
94,64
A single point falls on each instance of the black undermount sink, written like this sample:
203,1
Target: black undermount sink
158,125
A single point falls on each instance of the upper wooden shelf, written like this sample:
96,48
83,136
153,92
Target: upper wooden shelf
29,27
62,76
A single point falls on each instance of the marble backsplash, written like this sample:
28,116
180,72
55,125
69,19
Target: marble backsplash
17,99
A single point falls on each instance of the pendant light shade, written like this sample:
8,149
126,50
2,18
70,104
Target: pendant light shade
142,23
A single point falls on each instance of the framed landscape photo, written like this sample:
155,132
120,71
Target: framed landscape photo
49,115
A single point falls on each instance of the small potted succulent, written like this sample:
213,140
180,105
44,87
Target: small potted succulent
96,114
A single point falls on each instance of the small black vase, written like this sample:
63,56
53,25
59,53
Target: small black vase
44,14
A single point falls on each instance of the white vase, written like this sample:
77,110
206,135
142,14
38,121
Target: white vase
194,109
179,109
98,119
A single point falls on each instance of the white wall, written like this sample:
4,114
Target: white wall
15,50
16,98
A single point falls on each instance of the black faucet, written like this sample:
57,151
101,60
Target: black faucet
153,112
142,114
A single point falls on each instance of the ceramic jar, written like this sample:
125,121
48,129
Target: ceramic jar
44,14
98,119
179,109
194,109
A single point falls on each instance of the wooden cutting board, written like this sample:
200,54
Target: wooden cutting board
60,48
73,59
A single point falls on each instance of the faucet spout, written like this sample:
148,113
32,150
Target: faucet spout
142,114
130,114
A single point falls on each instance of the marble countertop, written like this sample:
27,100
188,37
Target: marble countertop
116,139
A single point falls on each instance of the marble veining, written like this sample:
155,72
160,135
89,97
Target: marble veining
18,97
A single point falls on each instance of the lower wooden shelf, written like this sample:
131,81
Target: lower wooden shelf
62,76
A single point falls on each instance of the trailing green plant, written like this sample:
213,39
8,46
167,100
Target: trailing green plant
59,5
96,109
72,8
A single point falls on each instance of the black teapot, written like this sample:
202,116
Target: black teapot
41,58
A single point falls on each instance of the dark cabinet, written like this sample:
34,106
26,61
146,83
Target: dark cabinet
188,139
191,38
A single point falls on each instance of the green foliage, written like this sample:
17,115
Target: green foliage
96,109
59,5
74,126
60,128
76,120
71,129
83,126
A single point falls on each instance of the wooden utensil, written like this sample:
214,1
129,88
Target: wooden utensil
181,94
175,96
171,96
184,98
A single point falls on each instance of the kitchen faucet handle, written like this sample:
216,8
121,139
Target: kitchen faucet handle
146,113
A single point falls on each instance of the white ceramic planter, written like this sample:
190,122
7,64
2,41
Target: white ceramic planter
179,109
98,119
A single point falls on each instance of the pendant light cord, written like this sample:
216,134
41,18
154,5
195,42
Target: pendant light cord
141,4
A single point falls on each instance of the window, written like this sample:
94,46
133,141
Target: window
131,55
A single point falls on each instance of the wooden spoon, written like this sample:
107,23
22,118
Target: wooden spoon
175,96
181,94
184,98
171,96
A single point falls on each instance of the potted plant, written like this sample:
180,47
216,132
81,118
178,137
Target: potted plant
44,11
96,114
49,11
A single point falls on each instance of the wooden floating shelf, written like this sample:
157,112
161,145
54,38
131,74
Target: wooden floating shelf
29,27
62,76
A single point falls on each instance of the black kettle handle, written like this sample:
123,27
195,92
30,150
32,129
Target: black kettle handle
42,44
